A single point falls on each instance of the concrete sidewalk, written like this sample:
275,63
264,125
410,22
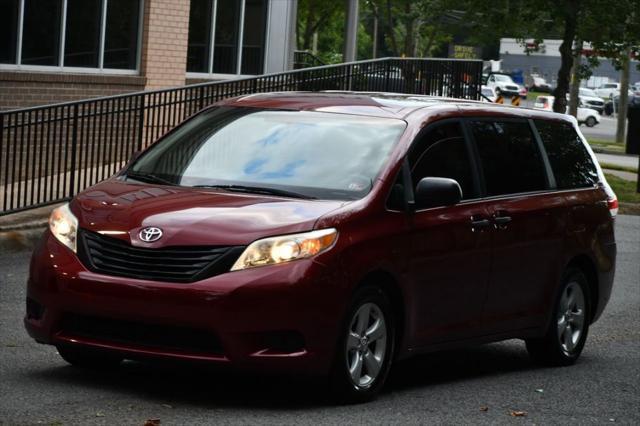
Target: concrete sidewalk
22,230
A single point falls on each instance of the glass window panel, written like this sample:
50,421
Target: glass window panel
41,33
510,158
570,161
442,152
255,17
199,35
8,30
225,52
82,39
121,34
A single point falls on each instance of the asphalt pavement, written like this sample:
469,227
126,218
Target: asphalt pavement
481,385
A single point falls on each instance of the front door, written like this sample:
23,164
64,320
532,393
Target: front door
449,247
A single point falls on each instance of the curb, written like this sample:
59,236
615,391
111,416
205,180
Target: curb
18,240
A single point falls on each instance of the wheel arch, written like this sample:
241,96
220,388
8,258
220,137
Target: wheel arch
389,284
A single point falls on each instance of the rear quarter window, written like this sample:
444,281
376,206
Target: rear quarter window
570,161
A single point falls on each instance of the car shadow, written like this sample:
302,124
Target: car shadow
203,386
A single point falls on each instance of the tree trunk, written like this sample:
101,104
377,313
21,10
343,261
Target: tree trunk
574,94
391,30
566,54
624,99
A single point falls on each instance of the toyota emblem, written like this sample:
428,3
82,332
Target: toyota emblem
150,234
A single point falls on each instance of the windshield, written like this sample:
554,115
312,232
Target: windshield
588,92
503,78
311,154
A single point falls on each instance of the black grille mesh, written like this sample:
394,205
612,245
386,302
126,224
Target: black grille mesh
112,256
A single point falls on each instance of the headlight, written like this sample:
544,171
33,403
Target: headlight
64,226
286,248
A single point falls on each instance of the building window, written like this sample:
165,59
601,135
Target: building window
227,36
69,34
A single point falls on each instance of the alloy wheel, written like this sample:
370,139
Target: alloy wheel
571,317
366,345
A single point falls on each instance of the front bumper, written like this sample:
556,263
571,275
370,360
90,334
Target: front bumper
282,317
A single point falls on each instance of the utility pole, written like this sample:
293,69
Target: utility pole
351,32
624,98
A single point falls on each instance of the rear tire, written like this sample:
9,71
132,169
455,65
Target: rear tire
365,348
569,325
89,358
591,121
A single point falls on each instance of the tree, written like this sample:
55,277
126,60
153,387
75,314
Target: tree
609,29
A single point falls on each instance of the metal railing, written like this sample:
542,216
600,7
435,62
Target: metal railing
50,153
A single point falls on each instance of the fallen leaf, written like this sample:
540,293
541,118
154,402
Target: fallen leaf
484,408
518,414
99,414
540,390
167,406
152,422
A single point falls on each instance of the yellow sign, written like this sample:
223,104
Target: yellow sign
515,100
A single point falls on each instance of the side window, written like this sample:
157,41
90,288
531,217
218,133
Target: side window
442,152
510,159
570,161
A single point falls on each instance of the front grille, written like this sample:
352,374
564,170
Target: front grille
514,88
141,335
111,256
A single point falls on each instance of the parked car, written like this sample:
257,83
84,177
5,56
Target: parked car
488,94
539,84
636,89
503,85
590,100
333,234
609,104
587,116
608,90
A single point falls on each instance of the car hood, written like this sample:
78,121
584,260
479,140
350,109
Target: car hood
189,216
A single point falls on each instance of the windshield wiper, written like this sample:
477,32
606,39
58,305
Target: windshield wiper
148,178
258,190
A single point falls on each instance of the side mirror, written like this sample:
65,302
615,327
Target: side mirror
437,192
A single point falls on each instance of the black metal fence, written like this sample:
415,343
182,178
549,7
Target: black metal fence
50,153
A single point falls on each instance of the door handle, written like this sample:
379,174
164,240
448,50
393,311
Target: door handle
479,223
502,220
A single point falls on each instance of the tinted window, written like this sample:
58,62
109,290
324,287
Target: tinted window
509,157
41,34
253,36
82,40
324,155
225,52
121,34
442,152
199,35
570,161
8,30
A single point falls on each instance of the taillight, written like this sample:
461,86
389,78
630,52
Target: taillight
612,203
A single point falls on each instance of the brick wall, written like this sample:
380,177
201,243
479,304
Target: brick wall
24,89
164,42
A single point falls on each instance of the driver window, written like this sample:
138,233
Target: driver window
442,152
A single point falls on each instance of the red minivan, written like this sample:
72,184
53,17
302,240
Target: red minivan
332,234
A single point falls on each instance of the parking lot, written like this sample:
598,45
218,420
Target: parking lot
481,385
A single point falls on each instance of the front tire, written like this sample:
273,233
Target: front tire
591,121
89,358
569,325
365,348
